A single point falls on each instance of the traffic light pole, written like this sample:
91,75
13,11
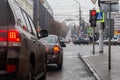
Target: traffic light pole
93,40
93,24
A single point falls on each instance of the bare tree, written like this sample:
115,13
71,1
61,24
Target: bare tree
57,28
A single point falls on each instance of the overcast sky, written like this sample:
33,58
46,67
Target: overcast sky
69,9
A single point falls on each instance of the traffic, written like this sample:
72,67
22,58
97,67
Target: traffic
59,40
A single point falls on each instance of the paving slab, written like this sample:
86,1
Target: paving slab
98,63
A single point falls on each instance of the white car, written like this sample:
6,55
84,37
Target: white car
115,41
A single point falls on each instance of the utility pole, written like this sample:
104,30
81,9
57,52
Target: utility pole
80,28
100,34
80,22
101,38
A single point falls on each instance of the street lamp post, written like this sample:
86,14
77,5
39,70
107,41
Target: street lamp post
80,27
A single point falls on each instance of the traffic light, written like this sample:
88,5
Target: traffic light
93,18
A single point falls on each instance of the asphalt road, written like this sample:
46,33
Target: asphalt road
73,67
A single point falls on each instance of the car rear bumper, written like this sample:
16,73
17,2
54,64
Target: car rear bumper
52,59
18,74
10,77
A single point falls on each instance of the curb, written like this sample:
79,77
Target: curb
95,74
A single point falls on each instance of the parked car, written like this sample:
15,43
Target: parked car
105,41
115,41
81,41
97,42
62,39
22,56
54,50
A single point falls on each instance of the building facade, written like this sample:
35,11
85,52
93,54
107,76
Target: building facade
47,6
39,10
43,14
27,5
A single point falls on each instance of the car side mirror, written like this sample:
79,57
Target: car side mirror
62,44
43,33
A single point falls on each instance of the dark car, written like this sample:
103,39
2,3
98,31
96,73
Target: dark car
81,41
22,56
54,50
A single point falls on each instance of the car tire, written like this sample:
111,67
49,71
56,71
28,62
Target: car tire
59,65
115,43
45,72
30,72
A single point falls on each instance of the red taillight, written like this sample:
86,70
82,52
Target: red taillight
11,68
56,49
46,49
13,36
10,35
2,35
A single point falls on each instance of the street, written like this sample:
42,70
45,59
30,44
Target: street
73,66
59,40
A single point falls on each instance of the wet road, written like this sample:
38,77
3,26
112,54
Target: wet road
73,67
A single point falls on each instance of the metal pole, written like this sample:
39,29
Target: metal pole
109,57
101,38
80,17
93,40
80,28
79,21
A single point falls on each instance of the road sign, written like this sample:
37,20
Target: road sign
100,17
93,1
90,30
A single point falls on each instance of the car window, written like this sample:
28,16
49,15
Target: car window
32,26
50,39
27,22
20,19
115,38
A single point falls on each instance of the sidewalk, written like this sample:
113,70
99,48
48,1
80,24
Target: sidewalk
98,63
